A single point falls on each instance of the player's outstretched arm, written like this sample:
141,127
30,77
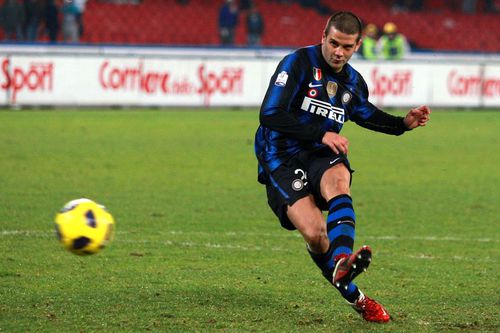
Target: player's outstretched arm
417,117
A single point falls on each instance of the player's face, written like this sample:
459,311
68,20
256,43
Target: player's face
338,47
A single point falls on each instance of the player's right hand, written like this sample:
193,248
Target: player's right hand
417,117
336,142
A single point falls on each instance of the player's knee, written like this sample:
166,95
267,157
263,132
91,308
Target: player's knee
314,235
342,185
335,181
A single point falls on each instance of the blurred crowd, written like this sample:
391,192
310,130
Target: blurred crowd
62,20
466,6
387,43
30,20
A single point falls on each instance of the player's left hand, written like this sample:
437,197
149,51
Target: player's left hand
417,117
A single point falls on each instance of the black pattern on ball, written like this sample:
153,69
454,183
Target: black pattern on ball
91,221
80,243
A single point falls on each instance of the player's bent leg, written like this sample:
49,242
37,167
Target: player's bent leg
332,251
341,222
309,221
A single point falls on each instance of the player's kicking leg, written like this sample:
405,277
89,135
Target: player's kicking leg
341,223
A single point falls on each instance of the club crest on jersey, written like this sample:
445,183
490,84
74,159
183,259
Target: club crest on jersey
346,97
281,79
323,109
317,74
331,88
298,184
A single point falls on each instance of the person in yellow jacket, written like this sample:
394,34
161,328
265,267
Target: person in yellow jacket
368,48
392,45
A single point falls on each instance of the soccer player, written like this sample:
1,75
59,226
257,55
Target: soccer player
303,158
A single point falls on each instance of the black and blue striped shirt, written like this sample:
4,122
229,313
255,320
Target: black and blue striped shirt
306,98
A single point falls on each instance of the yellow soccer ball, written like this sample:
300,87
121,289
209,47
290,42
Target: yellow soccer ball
84,226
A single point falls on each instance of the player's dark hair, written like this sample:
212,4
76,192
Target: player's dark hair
345,22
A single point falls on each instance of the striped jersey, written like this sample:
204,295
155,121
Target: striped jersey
305,98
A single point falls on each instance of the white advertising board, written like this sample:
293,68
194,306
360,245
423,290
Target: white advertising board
395,84
457,85
491,86
88,80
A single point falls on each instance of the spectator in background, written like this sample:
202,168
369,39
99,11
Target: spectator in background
392,45
228,20
368,48
255,26
51,18
285,2
12,20
407,5
469,6
34,15
317,5
491,6
69,21
245,4
80,6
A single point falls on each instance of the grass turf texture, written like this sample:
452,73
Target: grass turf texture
197,248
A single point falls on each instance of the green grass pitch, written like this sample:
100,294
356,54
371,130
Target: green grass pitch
197,248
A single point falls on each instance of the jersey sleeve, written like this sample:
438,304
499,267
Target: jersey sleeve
275,112
369,116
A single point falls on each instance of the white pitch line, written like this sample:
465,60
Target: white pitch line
204,245
435,238
211,245
297,235
284,234
34,233
24,233
279,249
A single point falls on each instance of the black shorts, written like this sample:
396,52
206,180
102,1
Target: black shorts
297,178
